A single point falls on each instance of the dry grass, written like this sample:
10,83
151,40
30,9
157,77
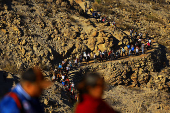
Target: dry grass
155,7
152,1
109,2
121,6
72,19
153,18
98,1
126,27
102,8
143,1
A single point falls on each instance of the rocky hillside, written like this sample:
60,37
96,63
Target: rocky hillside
45,32
141,15
36,32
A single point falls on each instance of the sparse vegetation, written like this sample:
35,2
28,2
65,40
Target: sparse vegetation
153,18
152,1
155,7
72,19
98,1
102,8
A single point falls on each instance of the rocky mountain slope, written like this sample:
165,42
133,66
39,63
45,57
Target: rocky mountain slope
44,32
141,15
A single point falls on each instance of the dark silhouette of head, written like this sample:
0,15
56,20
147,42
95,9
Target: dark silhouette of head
92,84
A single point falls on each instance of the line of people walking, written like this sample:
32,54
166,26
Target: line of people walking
137,47
61,75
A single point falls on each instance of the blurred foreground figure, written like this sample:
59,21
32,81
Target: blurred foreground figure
90,95
24,96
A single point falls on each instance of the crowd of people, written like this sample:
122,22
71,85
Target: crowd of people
61,75
136,47
61,72
97,15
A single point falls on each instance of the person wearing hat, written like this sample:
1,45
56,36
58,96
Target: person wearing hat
24,97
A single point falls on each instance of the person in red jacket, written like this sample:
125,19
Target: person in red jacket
90,95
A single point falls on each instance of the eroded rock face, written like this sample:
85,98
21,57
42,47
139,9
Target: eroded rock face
28,37
42,34
34,33
137,72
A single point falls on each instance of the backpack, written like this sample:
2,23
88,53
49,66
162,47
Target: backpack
63,83
15,97
128,46
133,48
148,44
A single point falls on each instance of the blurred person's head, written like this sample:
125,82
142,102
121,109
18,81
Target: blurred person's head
33,82
92,84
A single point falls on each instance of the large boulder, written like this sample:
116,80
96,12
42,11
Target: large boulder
91,43
102,47
63,4
100,40
71,2
94,33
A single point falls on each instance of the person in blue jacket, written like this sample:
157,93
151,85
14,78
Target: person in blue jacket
60,66
24,97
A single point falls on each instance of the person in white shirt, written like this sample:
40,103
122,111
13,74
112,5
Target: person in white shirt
67,68
63,62
149,41
63,76
137,51
84,54
55,71
139,40
140,34
94,55
76,61
123,51
53,78
72,84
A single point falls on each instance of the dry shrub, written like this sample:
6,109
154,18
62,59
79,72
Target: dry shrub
152,1
102,8
72,19
153,18
40,1
126,27
155,7
109,2
98,1
95,6
134,17
143,1
166,42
